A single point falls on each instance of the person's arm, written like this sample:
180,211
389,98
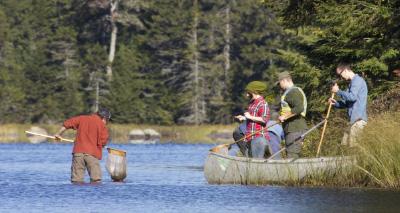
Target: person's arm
254,118
240,118
262,115
104,137
72,123
60,132
340,104
296,102
352,94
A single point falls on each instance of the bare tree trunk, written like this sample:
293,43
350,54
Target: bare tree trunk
227,48
113,42
97,101
196,107
227,56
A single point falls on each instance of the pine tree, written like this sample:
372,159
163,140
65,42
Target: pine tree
324,33
11,75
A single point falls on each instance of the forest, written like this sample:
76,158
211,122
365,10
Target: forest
171,62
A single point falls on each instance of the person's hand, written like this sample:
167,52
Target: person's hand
247,115
240,118
335,88
281,118
332,101
57,137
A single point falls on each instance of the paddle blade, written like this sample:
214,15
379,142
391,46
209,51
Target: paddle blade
221,149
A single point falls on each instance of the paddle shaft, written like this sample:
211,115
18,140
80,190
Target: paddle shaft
311,129
54,138
49,136
325,124
276,153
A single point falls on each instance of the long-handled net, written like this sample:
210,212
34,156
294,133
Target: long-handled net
116,164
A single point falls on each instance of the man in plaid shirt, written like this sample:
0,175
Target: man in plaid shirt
256,117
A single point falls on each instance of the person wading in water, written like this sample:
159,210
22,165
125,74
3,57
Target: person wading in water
92,135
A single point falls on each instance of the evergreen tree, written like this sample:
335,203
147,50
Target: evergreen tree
11,77
257,37
324,33
184,61
169,33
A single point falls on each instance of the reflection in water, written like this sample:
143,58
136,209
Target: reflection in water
161,178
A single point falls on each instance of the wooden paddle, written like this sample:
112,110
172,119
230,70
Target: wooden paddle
325,124
48,136
110,150
217,149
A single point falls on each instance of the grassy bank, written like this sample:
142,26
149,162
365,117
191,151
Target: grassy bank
119,132
378,151
377,157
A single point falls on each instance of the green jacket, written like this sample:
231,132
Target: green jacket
297,103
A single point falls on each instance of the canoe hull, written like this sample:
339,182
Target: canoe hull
224,169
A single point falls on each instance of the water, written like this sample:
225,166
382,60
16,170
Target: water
161,178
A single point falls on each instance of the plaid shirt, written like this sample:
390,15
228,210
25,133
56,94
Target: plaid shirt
257,108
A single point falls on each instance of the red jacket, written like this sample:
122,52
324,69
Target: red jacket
91,136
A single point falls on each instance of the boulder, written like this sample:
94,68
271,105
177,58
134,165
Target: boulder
147,136
152,136
35,138
136,136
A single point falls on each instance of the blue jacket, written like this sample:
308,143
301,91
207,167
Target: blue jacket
355,99
276,129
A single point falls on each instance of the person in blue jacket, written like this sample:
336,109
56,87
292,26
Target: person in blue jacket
276,135
354,99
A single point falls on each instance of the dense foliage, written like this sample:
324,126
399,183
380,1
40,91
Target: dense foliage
183,61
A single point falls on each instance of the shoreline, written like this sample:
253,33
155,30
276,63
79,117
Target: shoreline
119,133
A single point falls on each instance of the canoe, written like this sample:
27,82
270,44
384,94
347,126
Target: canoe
225,169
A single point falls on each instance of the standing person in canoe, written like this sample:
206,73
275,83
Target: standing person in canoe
91,137
292,114
354,98
256,117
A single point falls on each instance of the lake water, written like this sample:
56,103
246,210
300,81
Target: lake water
161,178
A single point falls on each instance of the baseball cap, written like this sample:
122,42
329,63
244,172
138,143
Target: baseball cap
104,113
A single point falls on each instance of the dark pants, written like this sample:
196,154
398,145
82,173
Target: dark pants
293,143
242,144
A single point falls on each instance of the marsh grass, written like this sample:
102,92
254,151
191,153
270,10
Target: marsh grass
377,155
15,133
378,150
11,132
119,132
177,134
